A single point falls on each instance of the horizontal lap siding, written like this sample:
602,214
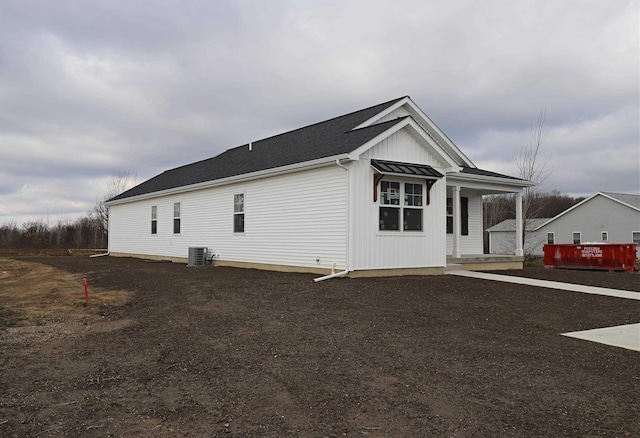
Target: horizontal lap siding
591,218
289,220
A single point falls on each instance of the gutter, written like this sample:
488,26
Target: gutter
321,162
346,271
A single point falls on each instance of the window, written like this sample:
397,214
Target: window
576,237
604,236
391,209
412,213
176,218
635,236
551,238
464,216
238,213
154,219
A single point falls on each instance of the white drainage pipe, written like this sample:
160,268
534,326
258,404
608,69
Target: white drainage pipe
334,275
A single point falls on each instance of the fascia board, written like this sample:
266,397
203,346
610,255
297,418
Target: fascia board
584,201
618,201
320,162
427,121
490,179
435,127
355,154
381,114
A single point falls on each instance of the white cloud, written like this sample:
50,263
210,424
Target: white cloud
93,88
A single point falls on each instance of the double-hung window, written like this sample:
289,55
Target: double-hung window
604,236
577,237
176,218
401,206
238,213
551,237
154,219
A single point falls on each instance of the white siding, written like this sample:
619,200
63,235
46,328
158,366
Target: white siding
372,249
289,220
472,243
594,216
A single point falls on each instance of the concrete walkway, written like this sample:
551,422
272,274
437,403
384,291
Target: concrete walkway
550,284
624,336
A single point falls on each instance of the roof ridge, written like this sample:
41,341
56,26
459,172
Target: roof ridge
388,103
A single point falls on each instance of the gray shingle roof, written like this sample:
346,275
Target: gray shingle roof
510,224
632,200
325,139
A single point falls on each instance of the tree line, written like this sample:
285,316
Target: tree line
86,232
497,208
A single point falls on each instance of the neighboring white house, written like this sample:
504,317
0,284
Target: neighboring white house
602,217
379,191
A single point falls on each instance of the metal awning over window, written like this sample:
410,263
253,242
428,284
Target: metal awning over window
394,167
406,169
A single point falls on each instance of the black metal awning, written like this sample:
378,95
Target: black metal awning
408,169
394,167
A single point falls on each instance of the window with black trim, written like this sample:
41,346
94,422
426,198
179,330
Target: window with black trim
154,219
176,218
238,213
395,215
464,216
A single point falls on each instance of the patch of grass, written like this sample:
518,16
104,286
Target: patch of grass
532,261
10,318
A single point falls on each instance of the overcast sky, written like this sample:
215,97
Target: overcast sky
93,88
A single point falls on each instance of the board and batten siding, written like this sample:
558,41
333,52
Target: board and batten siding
290,220
472,243
373,249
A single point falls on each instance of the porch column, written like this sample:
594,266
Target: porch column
456,222
519,250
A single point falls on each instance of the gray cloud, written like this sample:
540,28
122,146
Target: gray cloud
88,89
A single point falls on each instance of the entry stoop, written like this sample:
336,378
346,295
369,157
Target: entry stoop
485,262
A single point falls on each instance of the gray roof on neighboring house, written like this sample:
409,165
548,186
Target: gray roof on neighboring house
510,224
330,138
632,200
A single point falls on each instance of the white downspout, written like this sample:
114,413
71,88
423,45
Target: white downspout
346,271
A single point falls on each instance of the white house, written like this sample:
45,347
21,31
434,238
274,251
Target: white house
602,217
380,191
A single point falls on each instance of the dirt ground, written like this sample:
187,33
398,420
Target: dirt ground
163,350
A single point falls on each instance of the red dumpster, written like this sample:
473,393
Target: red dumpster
608,256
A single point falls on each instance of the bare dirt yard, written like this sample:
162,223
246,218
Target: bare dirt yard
163,350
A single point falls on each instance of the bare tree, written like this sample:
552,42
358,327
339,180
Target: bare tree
119,183
533,166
